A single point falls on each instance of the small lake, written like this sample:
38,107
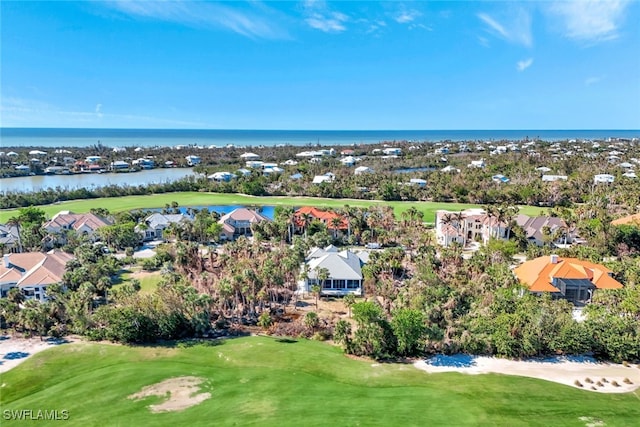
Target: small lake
27,184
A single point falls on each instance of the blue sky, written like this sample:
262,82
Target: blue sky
321,65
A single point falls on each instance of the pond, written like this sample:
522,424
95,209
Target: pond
27,184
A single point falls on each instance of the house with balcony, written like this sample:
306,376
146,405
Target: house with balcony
154,226
32,272
85,224
238,223
470,225
343,271
572,279
9,239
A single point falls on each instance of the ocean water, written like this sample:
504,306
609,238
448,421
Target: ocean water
58,137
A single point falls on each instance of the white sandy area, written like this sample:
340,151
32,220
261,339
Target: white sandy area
14,350
561,371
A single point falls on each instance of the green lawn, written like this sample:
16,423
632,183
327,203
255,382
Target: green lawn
117,204
148,281
263,381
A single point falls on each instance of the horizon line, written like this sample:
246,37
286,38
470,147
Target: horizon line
323,130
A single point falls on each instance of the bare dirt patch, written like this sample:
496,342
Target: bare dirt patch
179,393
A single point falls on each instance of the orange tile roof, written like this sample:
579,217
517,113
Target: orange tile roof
324,216
631,219
538,273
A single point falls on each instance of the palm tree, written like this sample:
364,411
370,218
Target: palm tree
336,223
306,220
16,221
446,220
458,219
322,275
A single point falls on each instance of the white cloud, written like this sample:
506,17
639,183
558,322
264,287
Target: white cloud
250,23
516,28
590,20
22,112
320,17
406,16
333,22
483,41
592,80
524,64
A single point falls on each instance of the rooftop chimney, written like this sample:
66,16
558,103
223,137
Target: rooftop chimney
554,259
7,263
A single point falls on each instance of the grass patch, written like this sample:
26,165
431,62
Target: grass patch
148,280
263,381
117,204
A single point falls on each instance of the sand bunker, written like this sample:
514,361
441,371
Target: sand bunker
14,350
179,393
581,373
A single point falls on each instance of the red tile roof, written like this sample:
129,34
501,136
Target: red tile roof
323,216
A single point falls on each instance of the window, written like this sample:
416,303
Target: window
353,284
339,284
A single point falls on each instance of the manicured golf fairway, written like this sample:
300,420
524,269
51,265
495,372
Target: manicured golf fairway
117,204
266,382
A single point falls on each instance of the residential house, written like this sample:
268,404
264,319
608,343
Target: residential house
32,272
119,165
296,176
500,179
254,164
603,178
155,224
344,271
570,278
348,161
537,227
268,170
418,182
476,164
325,217
193,160
628,220
238,223
392,151
9,239
362,169
144,163
85,224
249,156
468,226
221,176
553,178
327,177
450,169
